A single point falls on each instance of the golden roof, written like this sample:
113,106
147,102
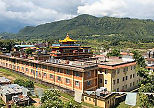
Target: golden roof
67,39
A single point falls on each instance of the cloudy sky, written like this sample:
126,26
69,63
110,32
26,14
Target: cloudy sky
34,12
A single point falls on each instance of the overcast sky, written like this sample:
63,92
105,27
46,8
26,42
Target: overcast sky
35,12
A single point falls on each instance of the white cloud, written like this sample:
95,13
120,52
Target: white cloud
38,11
34,12
119,8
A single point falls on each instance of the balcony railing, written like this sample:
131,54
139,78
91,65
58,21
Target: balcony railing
65,44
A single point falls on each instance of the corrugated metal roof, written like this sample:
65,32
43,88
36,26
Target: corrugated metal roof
23,46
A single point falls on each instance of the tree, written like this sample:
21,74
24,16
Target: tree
146,85
114,52
27,83
51,99
139,59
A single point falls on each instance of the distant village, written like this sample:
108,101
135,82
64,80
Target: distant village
74,69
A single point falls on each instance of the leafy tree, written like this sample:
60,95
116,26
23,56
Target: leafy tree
29,51
114,52
27,83
146,85
139,59
51,99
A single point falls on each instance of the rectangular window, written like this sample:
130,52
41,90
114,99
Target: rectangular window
133,83
131,67
123,79
130,84
125,69
130,76
113,82
45,75
105,81
89,74
117,80
26,69
67,81
125,86
117,89
51,68
51,76
126,77
67,72
77,83
105,71
101,80
118,71
88,83
58,70
59,78
76,74
133,75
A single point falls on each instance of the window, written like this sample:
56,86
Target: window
58,70
123,79
67,81
105,71
134,67
89,74
125,86
89,99
51,68
126,77
51,76
133,83
26,69
133,75
118,71
44,67
85,98
117,89
67,72
131,67
130,84
105,81
88,83
130,76
125,69
117,80
113,82
101,80
77,83
59,78
45,75
76,74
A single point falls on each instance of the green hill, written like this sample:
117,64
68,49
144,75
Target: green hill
90,27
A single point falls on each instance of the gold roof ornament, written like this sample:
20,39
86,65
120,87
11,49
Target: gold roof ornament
67,39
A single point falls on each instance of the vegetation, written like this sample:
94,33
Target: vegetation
146,85
114,52
25,83
51,99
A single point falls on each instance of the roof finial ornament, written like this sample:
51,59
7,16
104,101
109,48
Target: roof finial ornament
67,35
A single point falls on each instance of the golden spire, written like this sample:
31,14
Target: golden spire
67,39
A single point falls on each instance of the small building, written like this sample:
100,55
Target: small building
4,81
150,60
103,99
14,93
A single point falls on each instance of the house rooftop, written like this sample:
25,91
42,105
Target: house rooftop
12,89
4,80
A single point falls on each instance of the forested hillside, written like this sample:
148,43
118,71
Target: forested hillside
90,27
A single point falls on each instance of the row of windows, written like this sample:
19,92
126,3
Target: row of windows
123,79
125,69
